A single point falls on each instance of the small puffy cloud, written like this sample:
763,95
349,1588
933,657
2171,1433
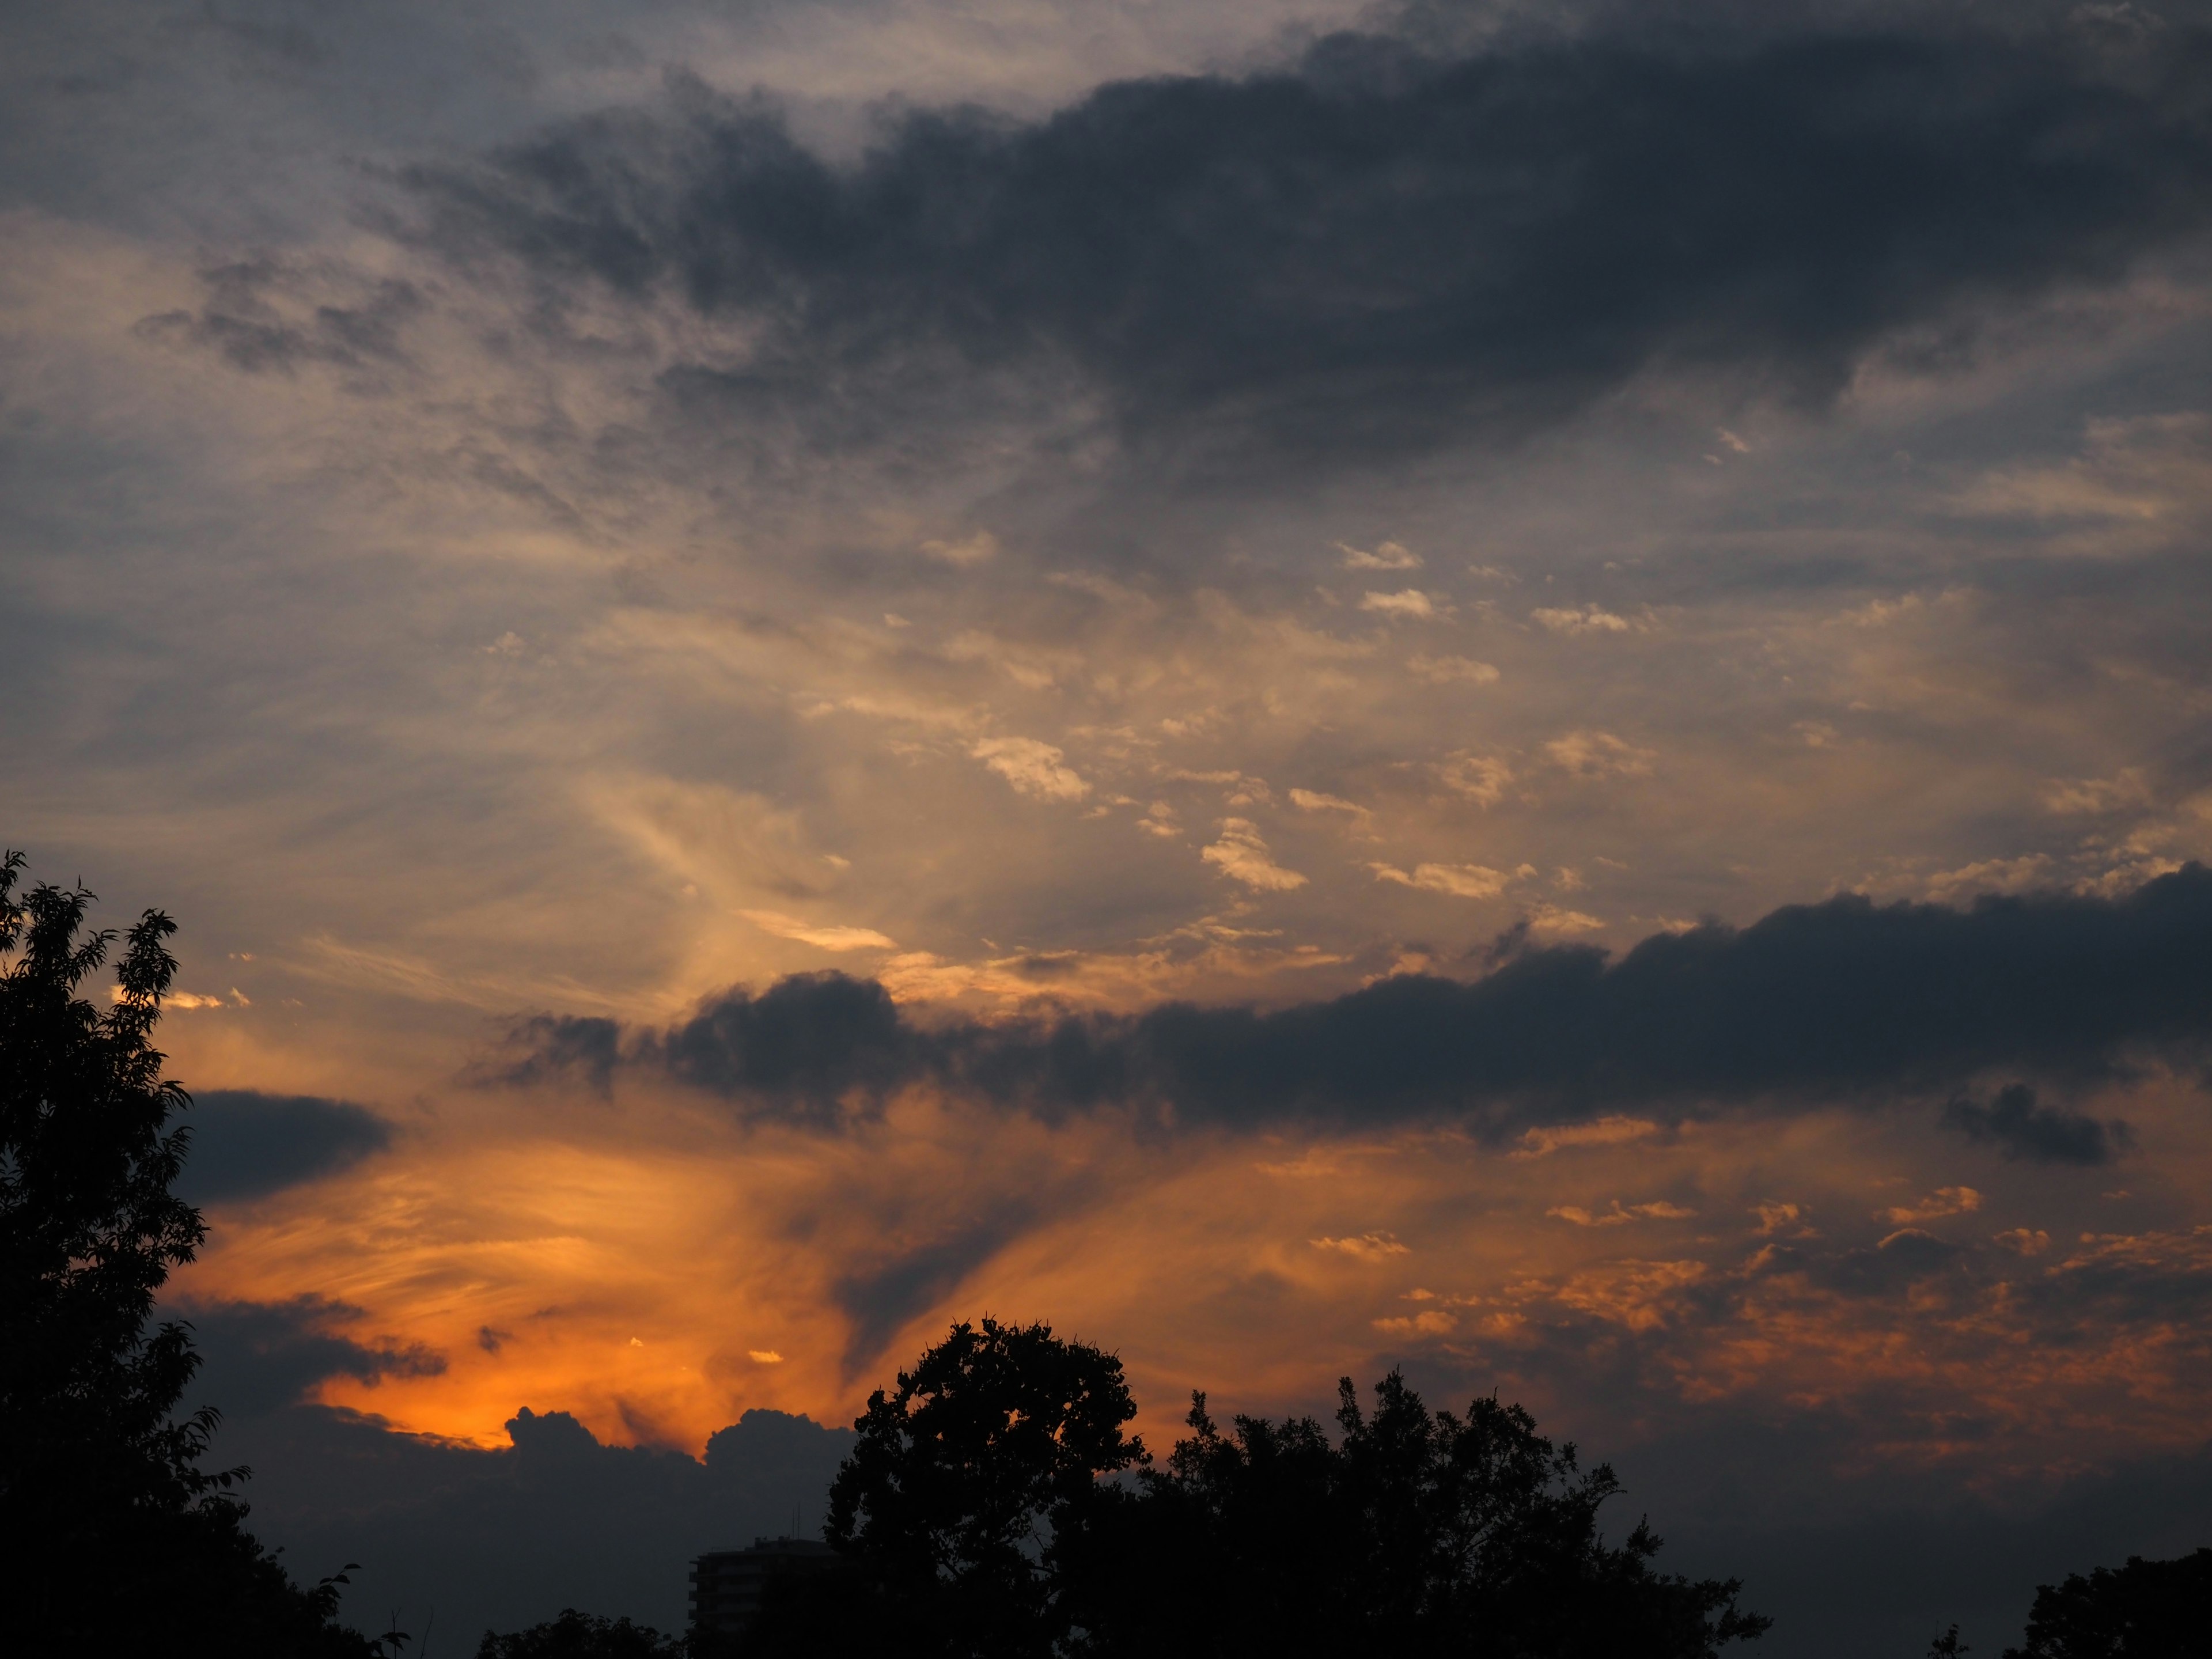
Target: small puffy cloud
2071,796
1367,1246
509,644
1554,919
1588,620
1599,755
1473,881
1775,1217
969,550
2022,1241
1159,820
1607,1131
1033,769
1944,1201
1619,1217
1388,555
1409,603
1434,1322
821,936
765,1356
1481,778
1450,670
1241,855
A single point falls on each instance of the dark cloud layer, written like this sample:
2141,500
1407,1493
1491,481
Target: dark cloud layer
463,1538
2041,1134
1376,250
259,1356
246,1145
1841,999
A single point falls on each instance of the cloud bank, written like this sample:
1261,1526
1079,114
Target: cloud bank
1812,1003
1375,250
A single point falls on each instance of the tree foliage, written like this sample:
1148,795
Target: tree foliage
576,1635
2144,1610
993,1506
117,1541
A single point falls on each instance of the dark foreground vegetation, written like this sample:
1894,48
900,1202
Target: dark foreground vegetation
995,1506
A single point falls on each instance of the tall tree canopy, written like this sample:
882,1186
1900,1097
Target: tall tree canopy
993,1506
117,1539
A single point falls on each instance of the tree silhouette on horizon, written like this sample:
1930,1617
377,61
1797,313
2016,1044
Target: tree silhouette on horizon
116,1540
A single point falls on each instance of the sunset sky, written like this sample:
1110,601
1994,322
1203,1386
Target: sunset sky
1209,562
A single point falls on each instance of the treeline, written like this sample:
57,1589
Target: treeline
994,1505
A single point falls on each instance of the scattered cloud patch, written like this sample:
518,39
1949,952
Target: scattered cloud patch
1409,604
1595,755
1481,778
1033,768
1387,555
1609,1131
1944,1201
1473,881
1618,1216
1450,670
824,936
1241,855
2022,1128
1588,619
1365,1247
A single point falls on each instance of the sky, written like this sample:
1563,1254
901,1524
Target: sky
1515,691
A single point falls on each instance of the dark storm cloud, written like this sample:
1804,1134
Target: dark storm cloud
505,1538
246,1145
1377,251
1841,999
2042,1134
259,1356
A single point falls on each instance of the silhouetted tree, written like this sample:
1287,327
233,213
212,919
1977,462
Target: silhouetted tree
1947,1645
2144,1610
961,1479
576,1635
1412,1534
976,1517
115,1539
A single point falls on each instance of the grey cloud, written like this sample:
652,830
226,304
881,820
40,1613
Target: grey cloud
1377,250
259,1356
1844,999
504,1538
881,1299
246,1145
2021,1129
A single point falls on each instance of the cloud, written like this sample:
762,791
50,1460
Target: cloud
246,1145
1598,754
1410,603
260,1355
831,938
1589,620
1312,801
2040,1134
1388,555
1032,767
1366,1247
1450,670
502,1538
1944,1201
1659,1209
1481,778
1811,1004
1241,855
1374,250
1473,881
1607,1131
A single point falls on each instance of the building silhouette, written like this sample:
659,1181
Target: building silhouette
727,1585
